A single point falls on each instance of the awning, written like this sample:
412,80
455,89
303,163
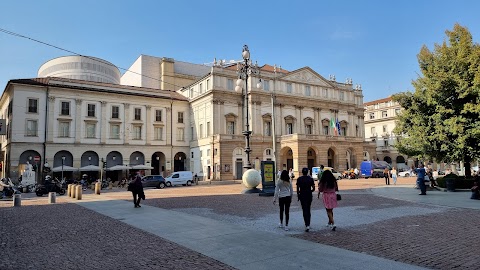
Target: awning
119,168
89,168
142,167
65,169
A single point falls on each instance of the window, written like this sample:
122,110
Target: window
201,130
307,90
64,129
267,128
115,112
90,130
115,131
343,131
289,88
208,152
342,96
192,154
32,105
180,134
192,133
208,85
158,115
372,115
266,85
268,152
208,128
158,133
32,126
201,88
138,114
385,128
229,84
397,111
325,93
325,130
385,143
372,130
65,109
191,92
230,127
289,128
384,114
137,132
308,129
180,117
91,110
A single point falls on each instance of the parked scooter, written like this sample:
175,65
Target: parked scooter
50,185
9,189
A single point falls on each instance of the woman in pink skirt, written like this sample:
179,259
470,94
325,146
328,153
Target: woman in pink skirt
328,188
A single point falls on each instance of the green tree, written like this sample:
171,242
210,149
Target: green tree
441,119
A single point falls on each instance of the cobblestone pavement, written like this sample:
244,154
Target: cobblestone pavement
68,236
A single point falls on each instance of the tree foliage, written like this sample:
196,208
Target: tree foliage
441,118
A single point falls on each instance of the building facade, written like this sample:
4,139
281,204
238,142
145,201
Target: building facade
304,105
380,116
81,123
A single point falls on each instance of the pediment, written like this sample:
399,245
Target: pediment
308,76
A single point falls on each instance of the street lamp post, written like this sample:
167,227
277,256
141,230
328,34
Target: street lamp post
63,162
244,70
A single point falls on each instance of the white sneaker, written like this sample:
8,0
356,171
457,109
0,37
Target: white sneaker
286,228
280,225
307,229
328,225
333,227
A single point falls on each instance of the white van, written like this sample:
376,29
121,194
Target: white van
179,178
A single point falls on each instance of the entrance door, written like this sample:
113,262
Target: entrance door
289,163
239,169
311,164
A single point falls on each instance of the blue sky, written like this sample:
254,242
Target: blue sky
373,42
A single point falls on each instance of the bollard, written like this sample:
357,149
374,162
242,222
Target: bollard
17,200
110,185
25,190
74,187
78,191
98,186
93,186
69,190
52,197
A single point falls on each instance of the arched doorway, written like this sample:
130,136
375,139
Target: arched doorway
67,159
287,158
311,158
137,158
89,158
114,166
331,158
387,159
238,156
400,159
158,163
179,162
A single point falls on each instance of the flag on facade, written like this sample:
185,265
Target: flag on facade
332,125
338,127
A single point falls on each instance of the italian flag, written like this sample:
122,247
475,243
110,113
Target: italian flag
333,126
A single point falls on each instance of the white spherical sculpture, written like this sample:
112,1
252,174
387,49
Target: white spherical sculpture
251,178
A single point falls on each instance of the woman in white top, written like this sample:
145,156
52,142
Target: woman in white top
284,192
394,175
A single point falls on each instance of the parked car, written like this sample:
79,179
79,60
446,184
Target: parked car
336,174
406,174
154,181
179,178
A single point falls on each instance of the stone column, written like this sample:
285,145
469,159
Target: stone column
280,125
148,125
78,120
126,123
51,118
103,122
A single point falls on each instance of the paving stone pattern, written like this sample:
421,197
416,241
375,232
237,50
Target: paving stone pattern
443,240
68,236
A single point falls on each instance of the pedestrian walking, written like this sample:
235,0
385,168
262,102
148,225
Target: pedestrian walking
284,193
386,174
420,171
394,175
305,187
290,174
327,187
475,191
136,188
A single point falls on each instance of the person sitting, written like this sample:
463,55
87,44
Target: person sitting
475,191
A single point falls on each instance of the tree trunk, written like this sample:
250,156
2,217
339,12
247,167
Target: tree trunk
468,171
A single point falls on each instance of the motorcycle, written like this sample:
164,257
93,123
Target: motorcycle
50,186
10,190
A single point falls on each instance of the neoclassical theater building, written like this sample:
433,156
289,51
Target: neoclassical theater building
171,115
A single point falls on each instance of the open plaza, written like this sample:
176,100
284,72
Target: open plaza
214,226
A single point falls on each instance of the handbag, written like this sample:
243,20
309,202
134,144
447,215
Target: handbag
339,197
